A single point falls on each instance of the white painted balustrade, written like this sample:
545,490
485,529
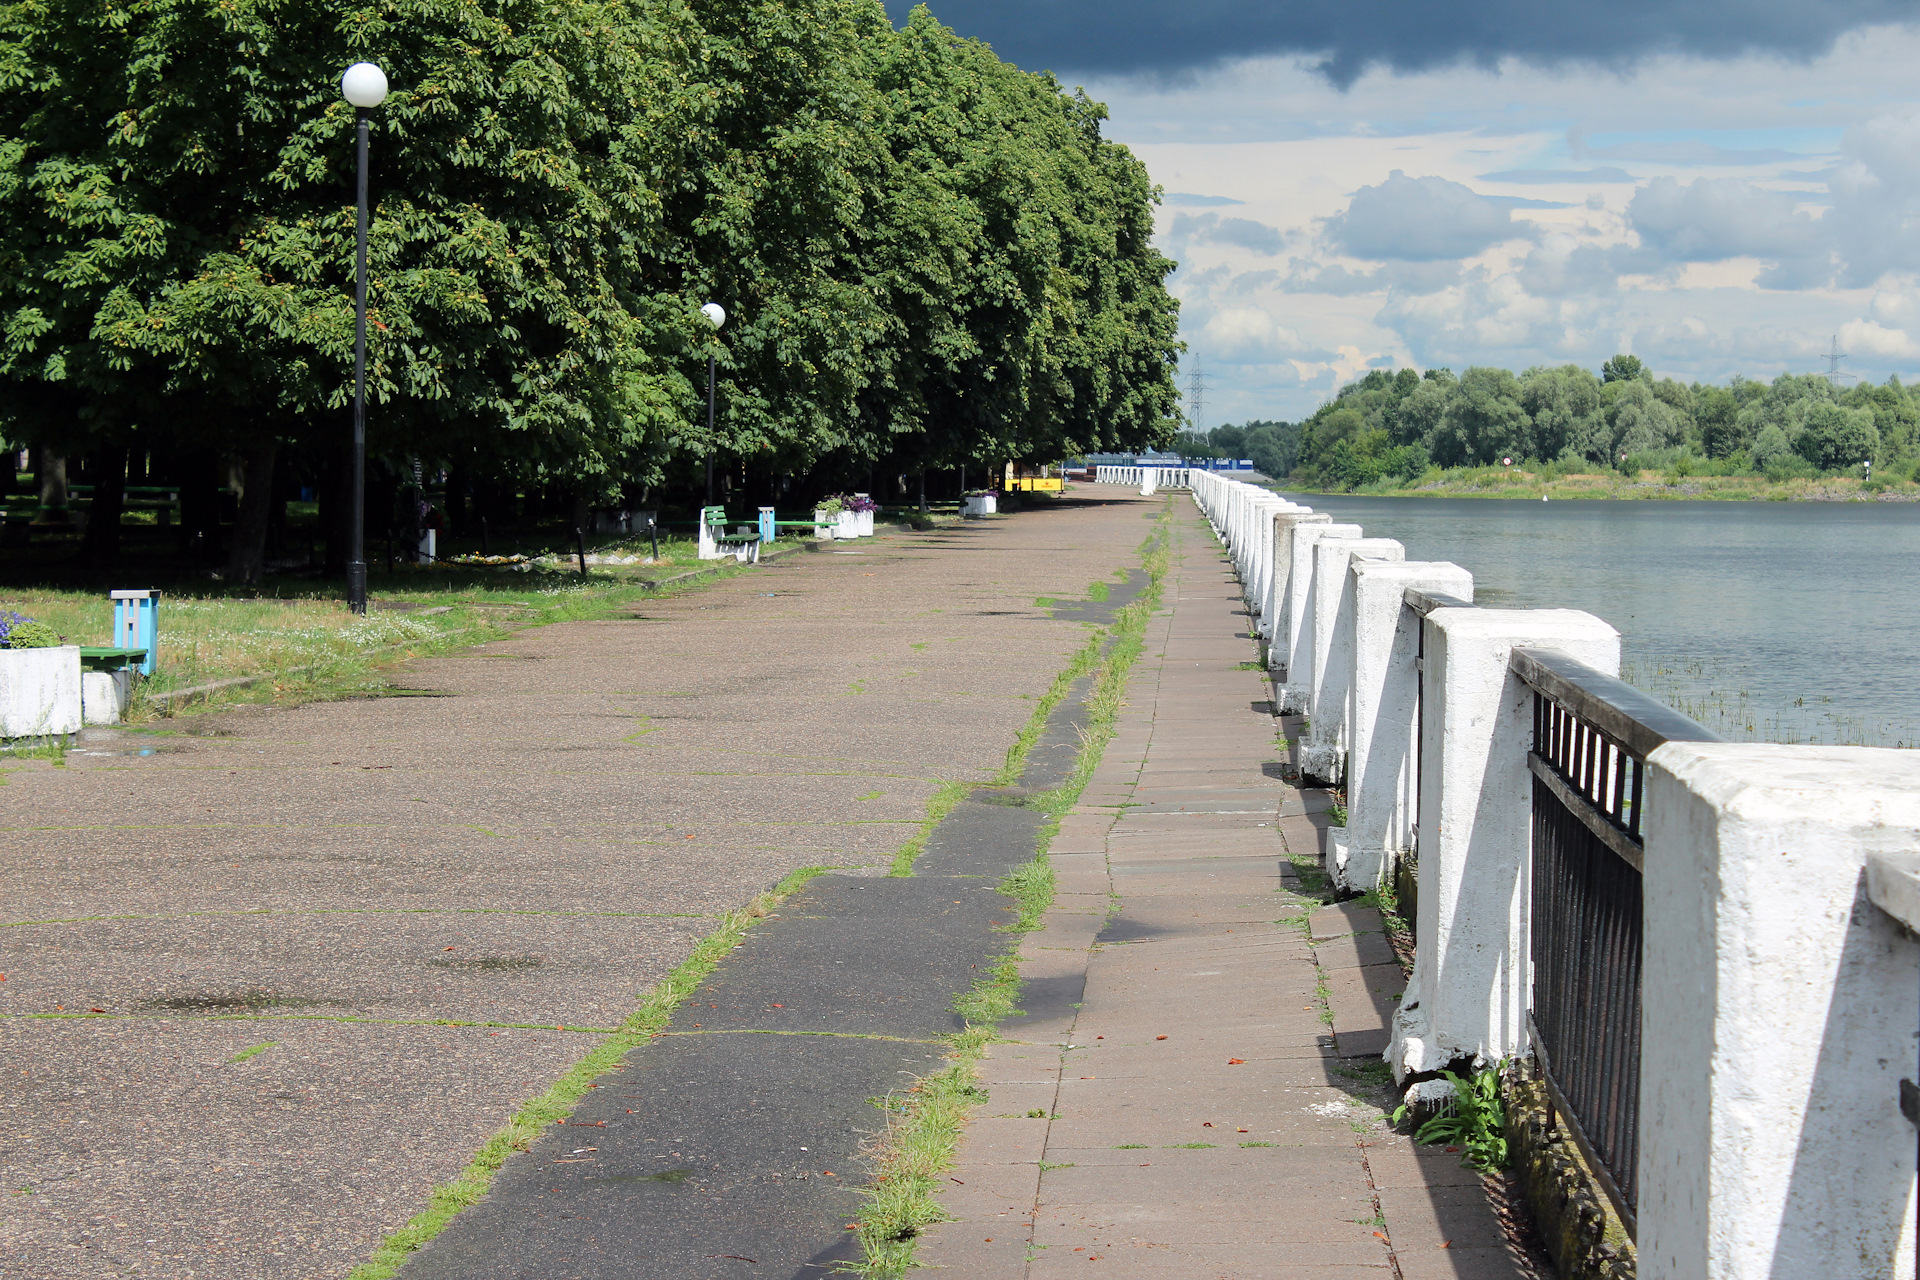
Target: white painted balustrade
1781,1002
1781,991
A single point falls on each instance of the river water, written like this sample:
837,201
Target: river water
1765,621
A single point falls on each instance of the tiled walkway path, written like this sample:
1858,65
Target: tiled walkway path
1177,1103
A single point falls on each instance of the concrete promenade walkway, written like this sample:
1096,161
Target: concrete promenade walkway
1196,1090
267,987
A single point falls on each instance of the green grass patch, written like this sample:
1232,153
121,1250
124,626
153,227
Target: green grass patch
944,799
304,642
558,1102
254,1052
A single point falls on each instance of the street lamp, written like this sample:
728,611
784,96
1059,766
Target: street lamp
365,86
716,316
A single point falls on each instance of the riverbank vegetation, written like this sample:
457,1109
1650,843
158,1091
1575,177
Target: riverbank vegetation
928,258
1565,432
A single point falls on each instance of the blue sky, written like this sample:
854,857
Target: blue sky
1377,184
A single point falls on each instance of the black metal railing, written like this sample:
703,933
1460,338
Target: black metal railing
1591,737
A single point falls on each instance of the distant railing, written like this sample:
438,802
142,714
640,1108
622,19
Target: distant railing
1163,477
1591,736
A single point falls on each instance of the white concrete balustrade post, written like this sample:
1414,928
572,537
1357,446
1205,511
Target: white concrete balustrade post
1259,589
1302,599
1778,1014
1324,748
1275,612
1468,995
1383,703
1244,542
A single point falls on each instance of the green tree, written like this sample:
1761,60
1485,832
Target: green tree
1717,417
1639,421
1833,437
1564,405
175,192
1273,447
1622,368
1484,420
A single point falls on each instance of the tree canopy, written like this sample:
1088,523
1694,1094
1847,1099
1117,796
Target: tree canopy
1389,425
927,256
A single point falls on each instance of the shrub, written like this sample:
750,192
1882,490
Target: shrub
1789,466
28,633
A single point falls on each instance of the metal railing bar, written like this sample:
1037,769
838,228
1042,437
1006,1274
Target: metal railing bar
1571,1124
1585,810
1633,720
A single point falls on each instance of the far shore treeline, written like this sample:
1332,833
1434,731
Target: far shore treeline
1393,430
928,257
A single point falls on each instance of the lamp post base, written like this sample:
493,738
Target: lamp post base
357,586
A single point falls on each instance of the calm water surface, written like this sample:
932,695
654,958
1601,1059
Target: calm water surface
1770,621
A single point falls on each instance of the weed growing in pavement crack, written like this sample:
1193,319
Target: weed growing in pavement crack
1472,1117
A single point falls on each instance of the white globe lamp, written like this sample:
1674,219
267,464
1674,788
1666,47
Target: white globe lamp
364,85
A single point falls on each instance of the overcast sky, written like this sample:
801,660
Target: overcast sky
1718,188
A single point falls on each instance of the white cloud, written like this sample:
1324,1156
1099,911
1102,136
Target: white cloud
1248,335
1421,220
1712,217
1870,338
1211,228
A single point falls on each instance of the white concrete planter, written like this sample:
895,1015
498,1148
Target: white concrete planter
39,691
983,504
864,522
823,522
846,525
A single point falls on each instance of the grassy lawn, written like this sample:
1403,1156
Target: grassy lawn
298,633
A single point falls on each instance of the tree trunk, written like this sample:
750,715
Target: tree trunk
199,496
51,471
455,519
248,558
102,539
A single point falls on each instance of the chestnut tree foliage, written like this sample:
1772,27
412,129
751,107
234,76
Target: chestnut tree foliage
928,256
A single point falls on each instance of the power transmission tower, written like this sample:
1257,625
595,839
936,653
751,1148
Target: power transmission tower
1833,359
1196,397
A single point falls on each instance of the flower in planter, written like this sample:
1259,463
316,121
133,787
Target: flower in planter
17,631
834,503
981,493
861,504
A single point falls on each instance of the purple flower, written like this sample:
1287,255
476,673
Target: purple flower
8,621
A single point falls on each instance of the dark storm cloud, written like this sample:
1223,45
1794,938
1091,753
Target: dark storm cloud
1348,36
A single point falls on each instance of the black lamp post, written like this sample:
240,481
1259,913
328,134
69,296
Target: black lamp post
365,86
716,316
